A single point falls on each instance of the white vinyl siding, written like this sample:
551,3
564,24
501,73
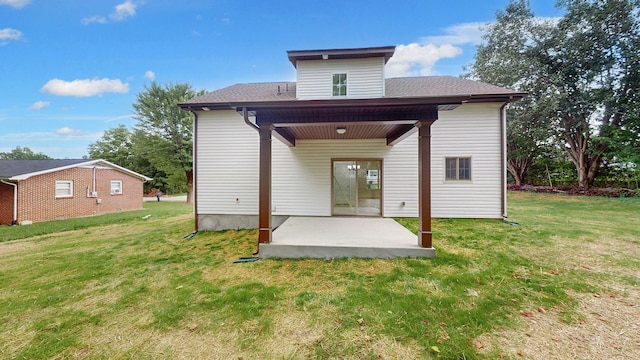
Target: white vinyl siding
365,78
470,131
228,159
64,188
227,164
302,174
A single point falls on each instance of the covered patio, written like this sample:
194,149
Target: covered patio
339,237
392,119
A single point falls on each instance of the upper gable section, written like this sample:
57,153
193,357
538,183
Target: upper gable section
340,73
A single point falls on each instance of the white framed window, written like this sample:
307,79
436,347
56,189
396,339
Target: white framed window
457,168
64,188
340,84
116,187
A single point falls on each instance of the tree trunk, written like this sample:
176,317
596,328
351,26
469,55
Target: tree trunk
578,144
516,172
189,174
594,166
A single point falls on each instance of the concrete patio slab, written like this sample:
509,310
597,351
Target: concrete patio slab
338,237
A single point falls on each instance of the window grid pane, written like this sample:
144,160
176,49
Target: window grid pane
339,84
451,165
458,168
464,169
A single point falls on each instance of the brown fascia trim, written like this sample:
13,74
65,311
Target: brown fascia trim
391,101
497,97
350,53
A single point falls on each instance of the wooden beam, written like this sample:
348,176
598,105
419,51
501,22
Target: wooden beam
402,133
285,117
424,183
285,136
264,188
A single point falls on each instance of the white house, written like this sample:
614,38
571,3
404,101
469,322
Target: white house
349,142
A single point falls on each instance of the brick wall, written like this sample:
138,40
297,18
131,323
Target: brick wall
37,200
6,204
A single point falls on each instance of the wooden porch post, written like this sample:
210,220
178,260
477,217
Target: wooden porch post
424,183
264,189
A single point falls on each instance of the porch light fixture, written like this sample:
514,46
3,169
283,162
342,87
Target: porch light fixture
205,108
341,130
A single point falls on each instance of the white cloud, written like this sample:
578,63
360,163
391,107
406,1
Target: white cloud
94,19
120,13
7,34
18,4
460,34
123,11
69,132
150,75
418,60
119,117
39,105
84,87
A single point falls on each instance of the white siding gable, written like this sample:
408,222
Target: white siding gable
365,78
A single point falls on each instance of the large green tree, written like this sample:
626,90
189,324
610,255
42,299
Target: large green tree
116,146
23,153
163,133
583,66
503,60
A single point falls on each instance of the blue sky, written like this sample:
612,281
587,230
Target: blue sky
71,69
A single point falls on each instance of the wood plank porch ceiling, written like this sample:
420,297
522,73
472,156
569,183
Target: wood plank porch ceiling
392,123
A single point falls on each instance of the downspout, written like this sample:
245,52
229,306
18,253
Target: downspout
15,201
94,181
245,115
194,150
503,158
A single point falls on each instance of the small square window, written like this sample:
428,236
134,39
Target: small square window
116,187
458,168
339,84
64,188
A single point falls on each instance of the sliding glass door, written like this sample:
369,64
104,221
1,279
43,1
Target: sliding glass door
357,187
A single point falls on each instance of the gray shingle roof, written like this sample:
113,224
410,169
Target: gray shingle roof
441,86
11,168
408,87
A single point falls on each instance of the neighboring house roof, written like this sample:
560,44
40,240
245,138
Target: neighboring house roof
24,169
436,87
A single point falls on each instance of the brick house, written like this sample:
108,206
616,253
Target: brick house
43,190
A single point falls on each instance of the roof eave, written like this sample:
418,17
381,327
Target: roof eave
86,163
332,54
385,101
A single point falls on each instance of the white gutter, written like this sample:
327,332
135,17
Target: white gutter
15,201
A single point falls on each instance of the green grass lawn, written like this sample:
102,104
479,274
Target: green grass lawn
120,286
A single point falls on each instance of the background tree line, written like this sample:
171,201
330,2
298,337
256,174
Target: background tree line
582,73
160,145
